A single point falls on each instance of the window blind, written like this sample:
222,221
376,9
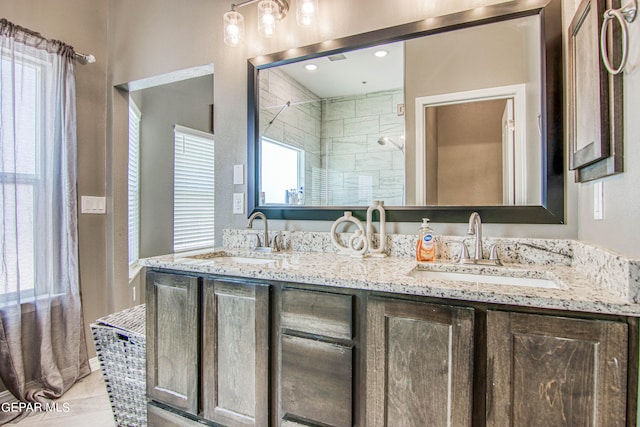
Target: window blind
193,189
133,179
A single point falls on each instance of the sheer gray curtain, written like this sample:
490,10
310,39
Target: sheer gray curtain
42,344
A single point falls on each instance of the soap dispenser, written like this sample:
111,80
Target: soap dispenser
426,245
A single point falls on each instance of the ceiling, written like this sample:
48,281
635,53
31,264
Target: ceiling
359,73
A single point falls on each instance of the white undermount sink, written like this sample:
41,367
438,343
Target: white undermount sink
485,278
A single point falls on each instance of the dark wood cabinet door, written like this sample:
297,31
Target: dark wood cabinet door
555,371
419,364
235,353
316,382
172,340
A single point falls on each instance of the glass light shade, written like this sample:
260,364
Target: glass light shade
233,28
267,17
306,12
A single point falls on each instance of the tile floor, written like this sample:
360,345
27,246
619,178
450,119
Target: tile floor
88,405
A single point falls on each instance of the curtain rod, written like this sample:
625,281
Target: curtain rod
80,57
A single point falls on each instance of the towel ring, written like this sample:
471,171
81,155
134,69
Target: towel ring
624,15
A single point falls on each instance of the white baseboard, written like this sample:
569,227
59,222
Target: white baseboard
94,363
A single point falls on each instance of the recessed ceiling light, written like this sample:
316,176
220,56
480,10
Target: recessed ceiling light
381,53
311,67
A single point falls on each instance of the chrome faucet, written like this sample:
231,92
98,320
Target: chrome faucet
475,227
264,245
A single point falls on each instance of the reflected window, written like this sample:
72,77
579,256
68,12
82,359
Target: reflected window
282,182
193,189
133,180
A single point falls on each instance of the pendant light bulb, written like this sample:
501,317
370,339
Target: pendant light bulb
306,12
233,28
267,17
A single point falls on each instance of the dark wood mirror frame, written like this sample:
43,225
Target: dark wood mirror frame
551,210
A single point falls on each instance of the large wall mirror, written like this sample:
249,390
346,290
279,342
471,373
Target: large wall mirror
435,118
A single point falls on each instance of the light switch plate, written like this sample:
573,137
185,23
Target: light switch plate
238,174
238,203
598,201
93,205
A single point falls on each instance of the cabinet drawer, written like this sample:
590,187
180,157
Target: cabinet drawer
316,383
319,313
158,417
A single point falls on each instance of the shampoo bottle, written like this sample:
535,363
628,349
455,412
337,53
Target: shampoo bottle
426,245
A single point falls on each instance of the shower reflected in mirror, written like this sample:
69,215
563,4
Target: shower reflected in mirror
384,140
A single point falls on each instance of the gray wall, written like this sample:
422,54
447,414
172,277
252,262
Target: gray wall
184,103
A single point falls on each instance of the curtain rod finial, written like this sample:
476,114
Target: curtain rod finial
85,59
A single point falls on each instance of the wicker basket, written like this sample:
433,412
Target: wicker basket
120,342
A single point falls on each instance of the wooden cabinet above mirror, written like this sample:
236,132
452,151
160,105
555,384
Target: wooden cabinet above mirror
354,139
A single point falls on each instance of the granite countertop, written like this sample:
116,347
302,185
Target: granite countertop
576,292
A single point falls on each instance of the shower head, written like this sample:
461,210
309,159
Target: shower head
287,104
383,140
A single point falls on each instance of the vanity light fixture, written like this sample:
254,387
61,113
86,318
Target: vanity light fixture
269,13
306,12
233,28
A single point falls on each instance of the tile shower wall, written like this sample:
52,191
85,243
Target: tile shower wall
344,163
356,168
298,126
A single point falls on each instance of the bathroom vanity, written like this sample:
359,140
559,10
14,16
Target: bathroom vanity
238,338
